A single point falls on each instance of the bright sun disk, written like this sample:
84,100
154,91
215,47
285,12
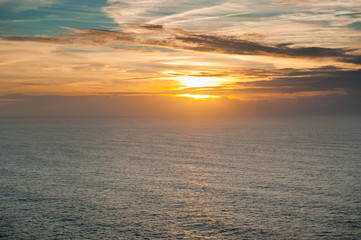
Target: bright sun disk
198,82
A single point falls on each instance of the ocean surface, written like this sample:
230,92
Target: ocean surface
132,178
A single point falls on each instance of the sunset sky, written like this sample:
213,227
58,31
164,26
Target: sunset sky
170,58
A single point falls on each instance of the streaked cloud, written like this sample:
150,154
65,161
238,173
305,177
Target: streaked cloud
130,11
226,9
322,3
186,40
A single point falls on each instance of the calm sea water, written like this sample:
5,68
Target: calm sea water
271,178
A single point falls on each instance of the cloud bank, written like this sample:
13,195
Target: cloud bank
181,39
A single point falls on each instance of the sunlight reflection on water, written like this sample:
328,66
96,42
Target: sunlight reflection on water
293,178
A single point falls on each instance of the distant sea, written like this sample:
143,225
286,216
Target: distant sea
132,178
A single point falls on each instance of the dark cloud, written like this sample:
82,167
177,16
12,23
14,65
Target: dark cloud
78,36
41,39
308,81
230,45
151,27
352,59
186,40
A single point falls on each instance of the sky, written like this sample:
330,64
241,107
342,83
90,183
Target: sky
179,58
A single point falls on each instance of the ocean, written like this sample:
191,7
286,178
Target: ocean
149,178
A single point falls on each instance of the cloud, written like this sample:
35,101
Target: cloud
323,3
128,11
312,80
161,11
199,13
78,37
151,27
181,39
230,45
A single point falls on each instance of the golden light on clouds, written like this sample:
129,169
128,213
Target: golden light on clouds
200,84
193,63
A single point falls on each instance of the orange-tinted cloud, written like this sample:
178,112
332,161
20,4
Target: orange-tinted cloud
186,40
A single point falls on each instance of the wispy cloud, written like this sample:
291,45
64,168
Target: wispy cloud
226,9
129,11
186,40
322,3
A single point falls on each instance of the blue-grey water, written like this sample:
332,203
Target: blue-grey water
123,178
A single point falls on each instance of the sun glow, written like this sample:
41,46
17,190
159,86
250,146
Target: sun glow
198,96
198,82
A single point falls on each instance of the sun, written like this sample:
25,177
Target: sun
199,82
